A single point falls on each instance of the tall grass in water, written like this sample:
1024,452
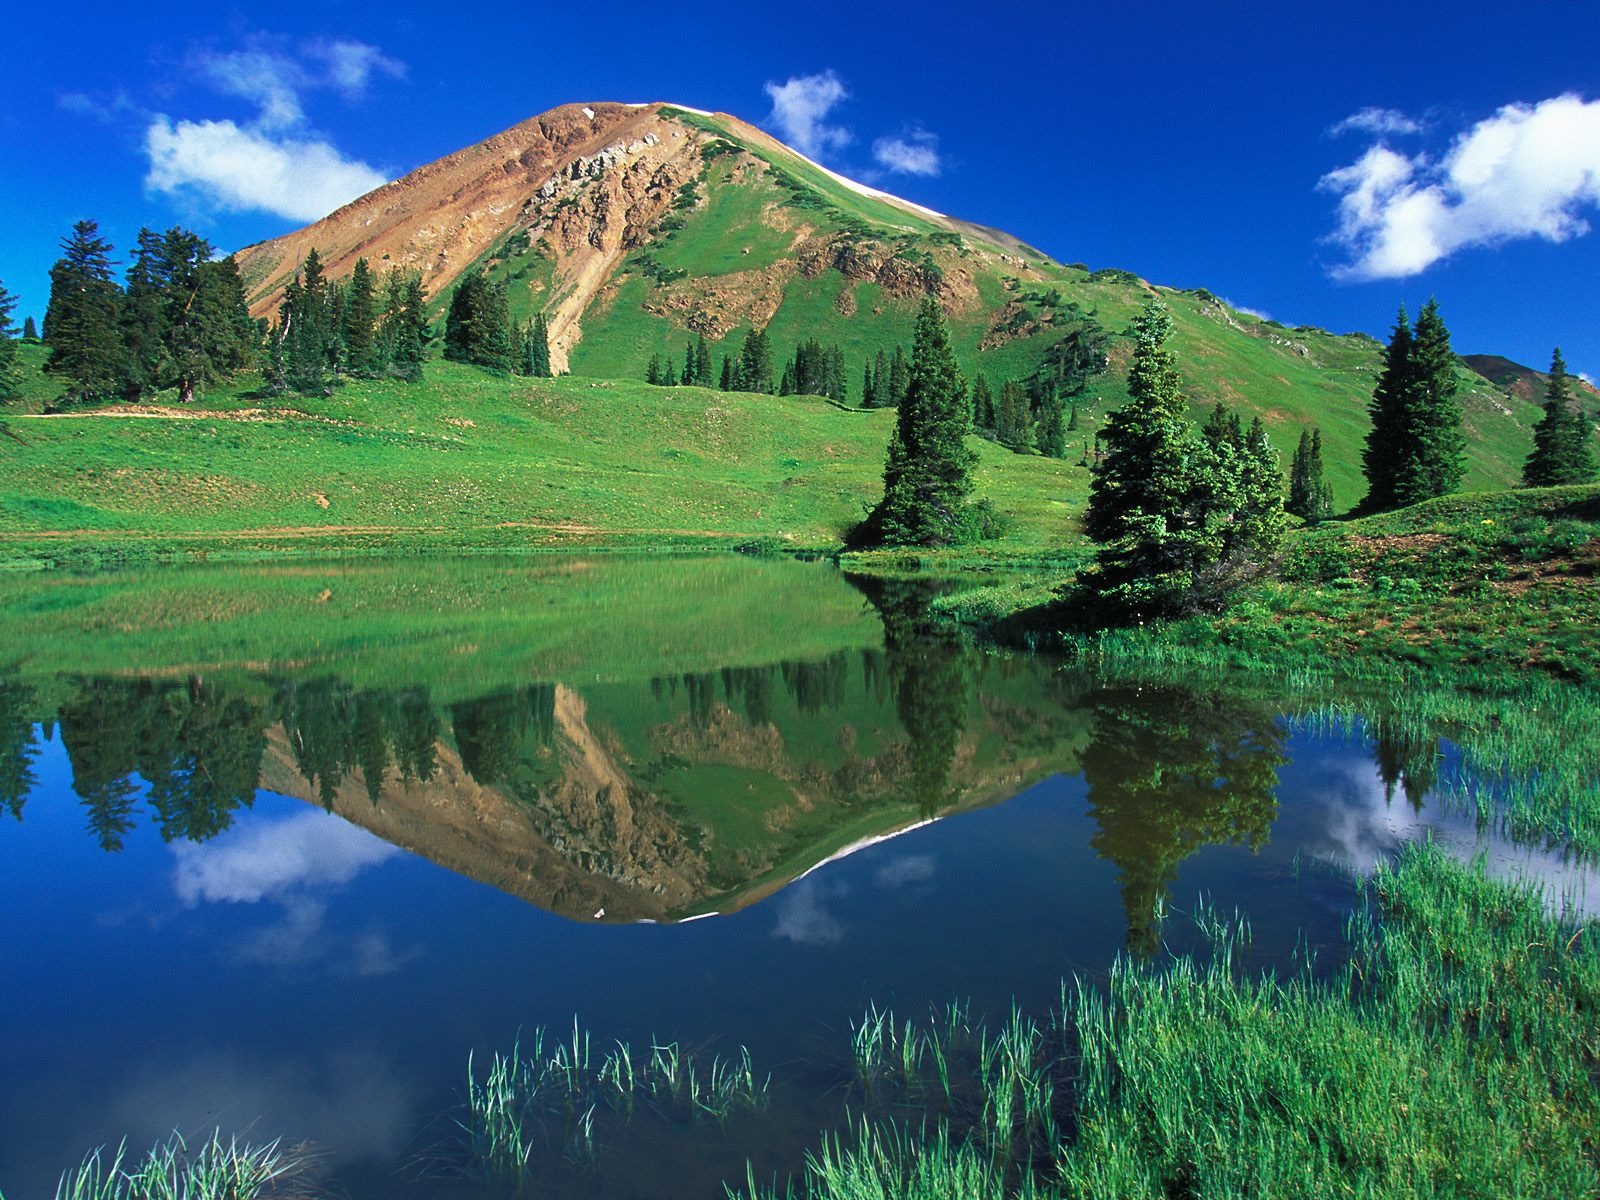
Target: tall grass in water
214,1170
1456,1054
530,1101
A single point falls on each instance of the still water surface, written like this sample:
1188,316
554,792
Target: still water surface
281,869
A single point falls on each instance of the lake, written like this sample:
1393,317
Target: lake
281,847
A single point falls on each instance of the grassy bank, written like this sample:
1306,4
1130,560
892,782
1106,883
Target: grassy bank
468,460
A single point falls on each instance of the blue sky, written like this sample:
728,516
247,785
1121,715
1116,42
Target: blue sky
1318,162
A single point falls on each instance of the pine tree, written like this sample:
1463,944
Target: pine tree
360,324
404,331
82,321
539,347
1385,458
1414,450
1441,443
982,406
1050,436
1011,416
869,390
727,383
8,345
1072,420
1310,497
687,378
1562,441
899,378
307,330
928,473
702,364
755,363
1142,485
478,323
30,331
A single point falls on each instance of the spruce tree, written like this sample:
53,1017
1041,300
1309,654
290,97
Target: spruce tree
404,331
82,320
360,323
726,384
1386,457
982,405
1441,445
1050,436
8,345
478,323
928,473
1562,441
1011,416
307,330
755,363
869,390
687,378
30,331
702,364
899,377
1142,484
1305,478
539,346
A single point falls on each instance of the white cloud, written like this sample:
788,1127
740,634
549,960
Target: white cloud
1528,171
804,917
800,108
1377,120
275,162
272,860
239,169
915,153
1587,378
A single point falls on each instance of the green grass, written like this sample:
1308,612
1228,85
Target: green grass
472,460
173,1170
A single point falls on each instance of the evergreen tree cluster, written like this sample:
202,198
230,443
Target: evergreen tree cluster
1310,497
885,379
179,323
1181,518
8,345
696,367
1414,450
478,329
1025,416
1563,440
328,330
814,370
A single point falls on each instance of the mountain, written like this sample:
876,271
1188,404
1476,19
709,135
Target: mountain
1517,380
637,227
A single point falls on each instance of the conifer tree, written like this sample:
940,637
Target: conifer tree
869,390
539,347
899,378
755,363
982,405
1441,443
1072,420
8,345
1310,497
1050,436
1414,450
1384,459
478,323
687,378
30,331
307,330
702,363
727,384
360,323
1563,440
1011,416
1142,484
82,320
928,473
404,331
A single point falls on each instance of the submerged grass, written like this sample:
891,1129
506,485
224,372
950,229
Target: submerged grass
173,1170
562,1097
1456,1054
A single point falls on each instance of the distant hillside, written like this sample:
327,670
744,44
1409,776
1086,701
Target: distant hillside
635,228
1517,380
